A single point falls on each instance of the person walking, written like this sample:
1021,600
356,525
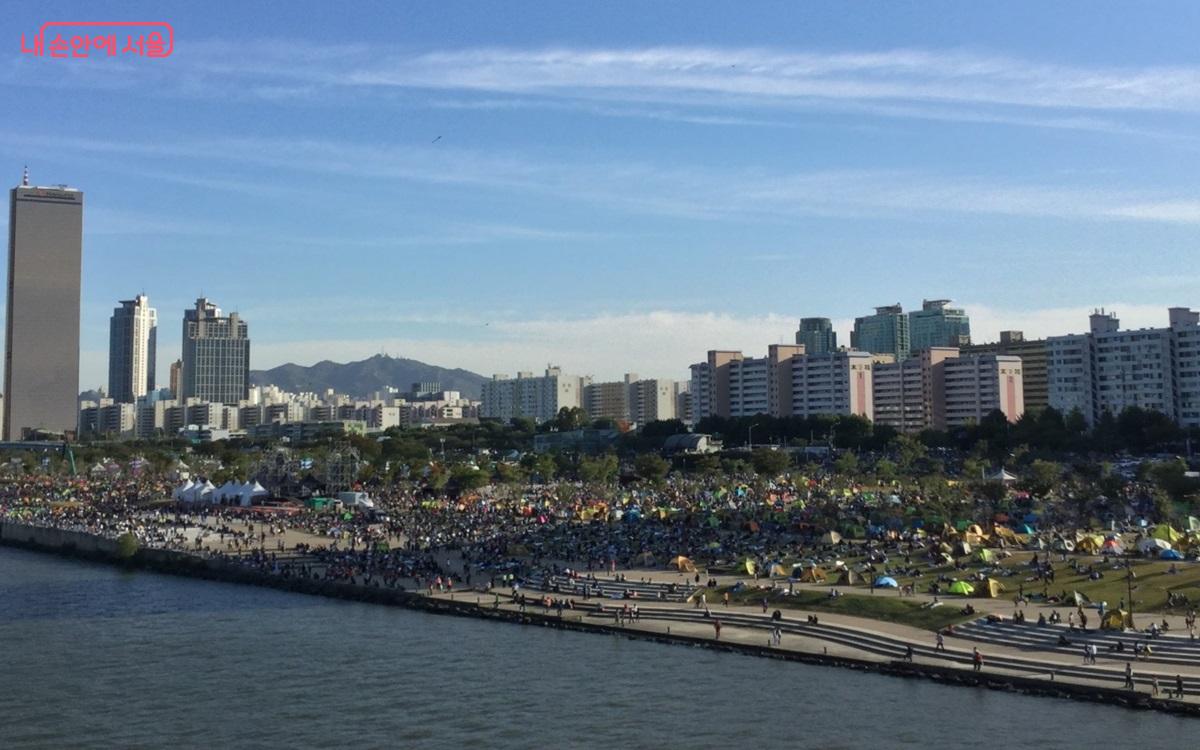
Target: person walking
1129,676
977,660
717,628
941,643
1179,687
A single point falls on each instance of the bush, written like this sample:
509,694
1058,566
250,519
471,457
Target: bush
127,546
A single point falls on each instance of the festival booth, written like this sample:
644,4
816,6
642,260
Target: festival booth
181,493
205,493
251,492
231,490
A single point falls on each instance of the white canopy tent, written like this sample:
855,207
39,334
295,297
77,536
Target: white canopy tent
251,491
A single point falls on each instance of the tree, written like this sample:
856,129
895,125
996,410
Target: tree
571,418
663,428
847,463
600,470
909,451
1042,477
651,467
127,546
510,473
885,470
1171,478
770,462
467,478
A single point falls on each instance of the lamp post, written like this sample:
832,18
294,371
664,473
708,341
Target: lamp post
750,437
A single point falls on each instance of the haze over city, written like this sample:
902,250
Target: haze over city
619,187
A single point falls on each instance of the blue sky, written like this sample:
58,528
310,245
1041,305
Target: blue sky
618,186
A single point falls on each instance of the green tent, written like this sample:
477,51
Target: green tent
962,587
983,555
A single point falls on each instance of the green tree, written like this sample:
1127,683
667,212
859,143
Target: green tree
651,467
127,546
1042,477
599,470
571,418
846,464
770,462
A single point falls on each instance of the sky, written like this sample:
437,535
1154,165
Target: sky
616,187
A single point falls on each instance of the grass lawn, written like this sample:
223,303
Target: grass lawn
884,605
1150,587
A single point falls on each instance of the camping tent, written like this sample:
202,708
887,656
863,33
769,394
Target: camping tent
886,582
831,537
848,577
983,555
1089,545
1000,475
682,564
811,574
1169,554
1112,547
778,570
962,548
962,587
1150,544
1116,619
994,588
646,560
1166,533
749,566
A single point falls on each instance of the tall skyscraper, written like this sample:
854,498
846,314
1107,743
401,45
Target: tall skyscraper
176,376
885,332
216,355
936,324
817,335
41,356
132,345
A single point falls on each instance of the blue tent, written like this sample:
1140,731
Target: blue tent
1025,529
1169,554
886,582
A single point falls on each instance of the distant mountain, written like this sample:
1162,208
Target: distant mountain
361,379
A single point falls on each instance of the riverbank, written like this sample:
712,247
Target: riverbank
839,646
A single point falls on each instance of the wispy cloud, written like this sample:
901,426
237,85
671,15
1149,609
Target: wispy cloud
692,192
688,84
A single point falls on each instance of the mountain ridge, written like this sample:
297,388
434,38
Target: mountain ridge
362,378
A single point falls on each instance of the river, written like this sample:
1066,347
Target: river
98,657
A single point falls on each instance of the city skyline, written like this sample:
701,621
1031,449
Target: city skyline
631,197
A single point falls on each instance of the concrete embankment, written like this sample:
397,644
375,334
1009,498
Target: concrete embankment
470,604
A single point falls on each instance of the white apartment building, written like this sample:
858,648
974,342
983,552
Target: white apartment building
967,389
538,398
1108,369
832,383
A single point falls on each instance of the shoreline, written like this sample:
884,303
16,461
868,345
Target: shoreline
79,545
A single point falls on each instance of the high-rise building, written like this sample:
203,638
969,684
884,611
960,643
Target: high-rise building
786,382
816,335
216,355
1110,370
939,388
176,378
885,332
132,344
936,324
41,356
527,396
1033,364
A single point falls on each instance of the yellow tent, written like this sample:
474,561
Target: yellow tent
1090,545
1006,534
812,575
994,588
778,570
749,566
1166,533
1117,619
682,564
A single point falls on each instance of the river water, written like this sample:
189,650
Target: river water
97,657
